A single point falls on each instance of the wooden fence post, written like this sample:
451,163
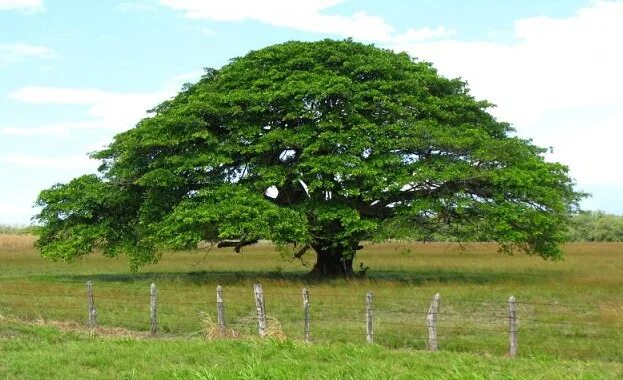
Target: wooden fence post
92,311
431,323
261,310
220,309
512,326
306,313
153,308
369,324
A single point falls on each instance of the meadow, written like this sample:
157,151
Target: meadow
570,312
43,352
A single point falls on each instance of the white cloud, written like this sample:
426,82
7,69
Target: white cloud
71,162
58,95
303,15
21,5
61,129
590,145
108,110
11,53
114,111
556,68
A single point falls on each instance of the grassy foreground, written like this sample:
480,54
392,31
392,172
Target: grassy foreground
30,351
569,310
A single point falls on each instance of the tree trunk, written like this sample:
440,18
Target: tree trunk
333,262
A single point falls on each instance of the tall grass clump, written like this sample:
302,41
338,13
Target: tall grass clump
16,237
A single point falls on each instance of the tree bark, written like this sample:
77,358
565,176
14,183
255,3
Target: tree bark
332,262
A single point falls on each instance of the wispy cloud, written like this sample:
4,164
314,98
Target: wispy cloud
108,111
114,111
21,5
303,15
71,162
11,53
61,129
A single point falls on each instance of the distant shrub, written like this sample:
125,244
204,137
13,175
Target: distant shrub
587,226
596,226
16,230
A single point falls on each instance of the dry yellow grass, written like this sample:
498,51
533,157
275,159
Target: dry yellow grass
211,330
16,241
79,328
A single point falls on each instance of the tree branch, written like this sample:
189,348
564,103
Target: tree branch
302,251
237,244
381,209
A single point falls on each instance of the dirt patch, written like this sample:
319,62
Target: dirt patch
75,327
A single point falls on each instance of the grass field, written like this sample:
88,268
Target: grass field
39,352
569,311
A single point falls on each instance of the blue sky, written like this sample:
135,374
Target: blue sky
73,75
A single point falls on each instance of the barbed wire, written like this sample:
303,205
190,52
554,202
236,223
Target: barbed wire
564,323
330,321
297,294
318,305
447,300
444,317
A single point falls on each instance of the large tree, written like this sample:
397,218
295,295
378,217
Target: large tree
312,145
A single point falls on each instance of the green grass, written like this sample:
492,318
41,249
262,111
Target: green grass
33,352
569,310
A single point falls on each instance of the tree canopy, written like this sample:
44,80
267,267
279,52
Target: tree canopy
312,145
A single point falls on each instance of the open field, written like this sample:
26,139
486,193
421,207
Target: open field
569,310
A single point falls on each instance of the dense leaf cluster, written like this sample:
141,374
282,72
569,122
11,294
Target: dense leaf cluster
312,143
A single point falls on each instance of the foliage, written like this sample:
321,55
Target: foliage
596,226
312,144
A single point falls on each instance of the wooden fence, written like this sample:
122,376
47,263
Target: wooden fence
450,321
430,317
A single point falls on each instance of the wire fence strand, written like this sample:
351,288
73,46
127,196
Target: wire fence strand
397,321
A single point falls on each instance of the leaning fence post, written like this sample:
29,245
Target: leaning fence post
369,324
220,310
512,326
306,313
260,307
153,308
92,311
431,323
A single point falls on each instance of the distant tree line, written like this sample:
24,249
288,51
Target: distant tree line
586,226
15,229
596,226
